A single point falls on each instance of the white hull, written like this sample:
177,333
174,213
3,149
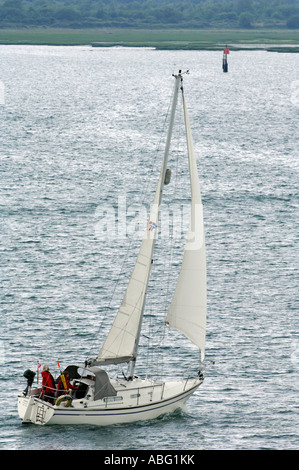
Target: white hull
135,401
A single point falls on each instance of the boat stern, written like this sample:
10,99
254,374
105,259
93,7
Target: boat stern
33,410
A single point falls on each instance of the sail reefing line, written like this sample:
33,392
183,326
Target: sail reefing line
122,341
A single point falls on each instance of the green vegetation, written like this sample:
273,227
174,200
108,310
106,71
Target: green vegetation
197,39
164,24
245,14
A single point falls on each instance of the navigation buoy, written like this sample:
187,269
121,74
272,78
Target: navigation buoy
224,60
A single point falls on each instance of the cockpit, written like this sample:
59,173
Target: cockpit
92,381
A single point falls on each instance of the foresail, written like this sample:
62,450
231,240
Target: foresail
187,312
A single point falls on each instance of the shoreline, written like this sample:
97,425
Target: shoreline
200,47
163,39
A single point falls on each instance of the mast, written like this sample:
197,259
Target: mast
178,81
158,198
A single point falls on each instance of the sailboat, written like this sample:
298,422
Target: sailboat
103,400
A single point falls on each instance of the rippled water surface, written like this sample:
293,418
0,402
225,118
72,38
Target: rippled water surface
80,133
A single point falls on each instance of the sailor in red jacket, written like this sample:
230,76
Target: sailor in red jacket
48,385
60,386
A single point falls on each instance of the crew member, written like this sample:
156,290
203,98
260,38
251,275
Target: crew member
48,385
60,387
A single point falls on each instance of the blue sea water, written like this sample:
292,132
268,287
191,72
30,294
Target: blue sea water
79,132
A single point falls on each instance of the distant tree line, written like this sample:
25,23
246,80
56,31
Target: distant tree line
150,13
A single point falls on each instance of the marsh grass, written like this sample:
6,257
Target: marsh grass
160,39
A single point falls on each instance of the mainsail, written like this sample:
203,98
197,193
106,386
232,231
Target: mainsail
122,341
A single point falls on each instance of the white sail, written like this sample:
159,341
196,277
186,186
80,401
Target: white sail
122,341
187,312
